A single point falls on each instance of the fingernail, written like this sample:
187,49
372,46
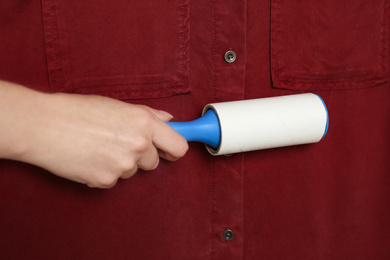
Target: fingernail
166,114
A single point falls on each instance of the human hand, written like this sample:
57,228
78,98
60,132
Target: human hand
96,140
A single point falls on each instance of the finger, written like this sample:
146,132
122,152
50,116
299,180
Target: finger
149,160
166,156
170,142
129,173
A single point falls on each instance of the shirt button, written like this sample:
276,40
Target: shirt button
228,235
230,56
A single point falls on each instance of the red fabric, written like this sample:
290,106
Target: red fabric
322,201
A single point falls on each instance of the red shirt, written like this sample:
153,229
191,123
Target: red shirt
329,200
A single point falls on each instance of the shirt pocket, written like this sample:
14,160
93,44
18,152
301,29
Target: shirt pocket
121,49
329,44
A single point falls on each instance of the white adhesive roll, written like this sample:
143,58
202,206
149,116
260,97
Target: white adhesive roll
264,123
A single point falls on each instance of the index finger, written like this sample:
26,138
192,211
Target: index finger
173,145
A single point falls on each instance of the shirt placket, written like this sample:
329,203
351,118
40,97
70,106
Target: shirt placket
226,181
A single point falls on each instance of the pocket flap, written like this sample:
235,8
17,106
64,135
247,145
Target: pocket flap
329,44
122,49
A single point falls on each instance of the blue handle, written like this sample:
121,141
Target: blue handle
205,129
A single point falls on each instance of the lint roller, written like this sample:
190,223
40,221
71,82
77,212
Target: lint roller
256,124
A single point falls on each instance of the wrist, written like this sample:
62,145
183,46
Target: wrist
21,112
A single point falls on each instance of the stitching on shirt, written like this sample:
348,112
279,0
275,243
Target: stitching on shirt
384,36
118,80
212,209
184,21
214,19
214,50
339,82
137,90
52,49
276,33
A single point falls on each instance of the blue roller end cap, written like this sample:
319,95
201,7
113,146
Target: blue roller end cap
205,129
327,116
